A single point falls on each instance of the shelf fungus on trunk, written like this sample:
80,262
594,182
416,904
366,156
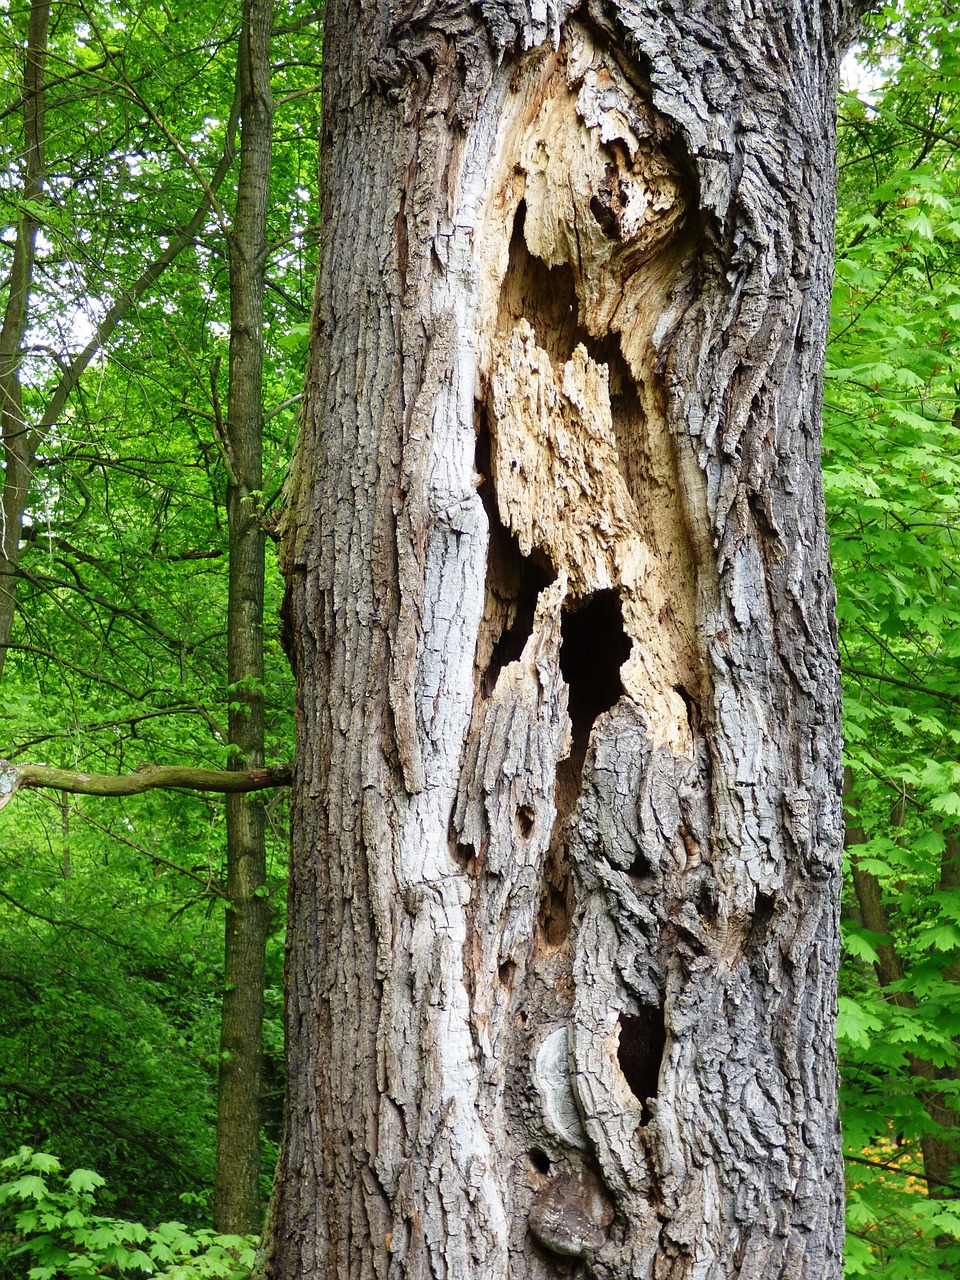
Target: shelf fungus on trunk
571,1214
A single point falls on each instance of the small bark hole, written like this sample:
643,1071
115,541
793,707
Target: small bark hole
707,902
593,648
539,1160
506,971
465,852
693,710
640,867
643,1038
764,907
605,215
525,821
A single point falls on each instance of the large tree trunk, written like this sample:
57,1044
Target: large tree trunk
566,830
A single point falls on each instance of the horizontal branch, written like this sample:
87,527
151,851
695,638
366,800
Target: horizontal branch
147,777
902,684
904,1173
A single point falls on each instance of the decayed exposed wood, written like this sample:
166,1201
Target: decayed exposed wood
563,908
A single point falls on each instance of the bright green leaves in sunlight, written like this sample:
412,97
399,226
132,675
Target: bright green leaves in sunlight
892,480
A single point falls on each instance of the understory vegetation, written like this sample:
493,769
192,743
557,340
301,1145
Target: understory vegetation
114,367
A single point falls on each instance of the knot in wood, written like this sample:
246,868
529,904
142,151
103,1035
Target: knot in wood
572,1215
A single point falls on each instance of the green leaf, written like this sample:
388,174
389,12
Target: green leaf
84,1180
29,1185
140,1261
863,943
855,1023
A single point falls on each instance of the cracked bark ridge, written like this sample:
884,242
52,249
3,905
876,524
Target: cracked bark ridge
563,903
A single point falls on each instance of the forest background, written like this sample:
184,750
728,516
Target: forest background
126,191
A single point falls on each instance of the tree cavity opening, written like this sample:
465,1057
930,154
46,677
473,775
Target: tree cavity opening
544,296
593,648
514,581
643,1038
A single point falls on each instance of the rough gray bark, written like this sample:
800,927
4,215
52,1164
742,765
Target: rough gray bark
566,823
237,1204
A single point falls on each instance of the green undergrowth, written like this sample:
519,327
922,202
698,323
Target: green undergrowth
49,1228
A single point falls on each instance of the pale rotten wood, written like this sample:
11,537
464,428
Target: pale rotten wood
566,822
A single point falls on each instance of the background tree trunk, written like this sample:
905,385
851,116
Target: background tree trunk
17,436
939,1148
237,1203
566,825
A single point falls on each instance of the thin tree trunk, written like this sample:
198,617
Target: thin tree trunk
566,819
18,440
939,1149
237,1192
944,1153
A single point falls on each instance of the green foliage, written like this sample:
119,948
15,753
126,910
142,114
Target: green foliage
49,1228
112,912
891,473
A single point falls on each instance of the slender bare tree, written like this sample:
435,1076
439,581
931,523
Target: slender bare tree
237,1202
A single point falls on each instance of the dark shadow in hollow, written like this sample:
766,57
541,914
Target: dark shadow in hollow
593,648
543,296
643,1038
514,581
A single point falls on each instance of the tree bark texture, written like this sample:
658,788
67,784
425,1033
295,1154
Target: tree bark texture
567,818
237,1202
